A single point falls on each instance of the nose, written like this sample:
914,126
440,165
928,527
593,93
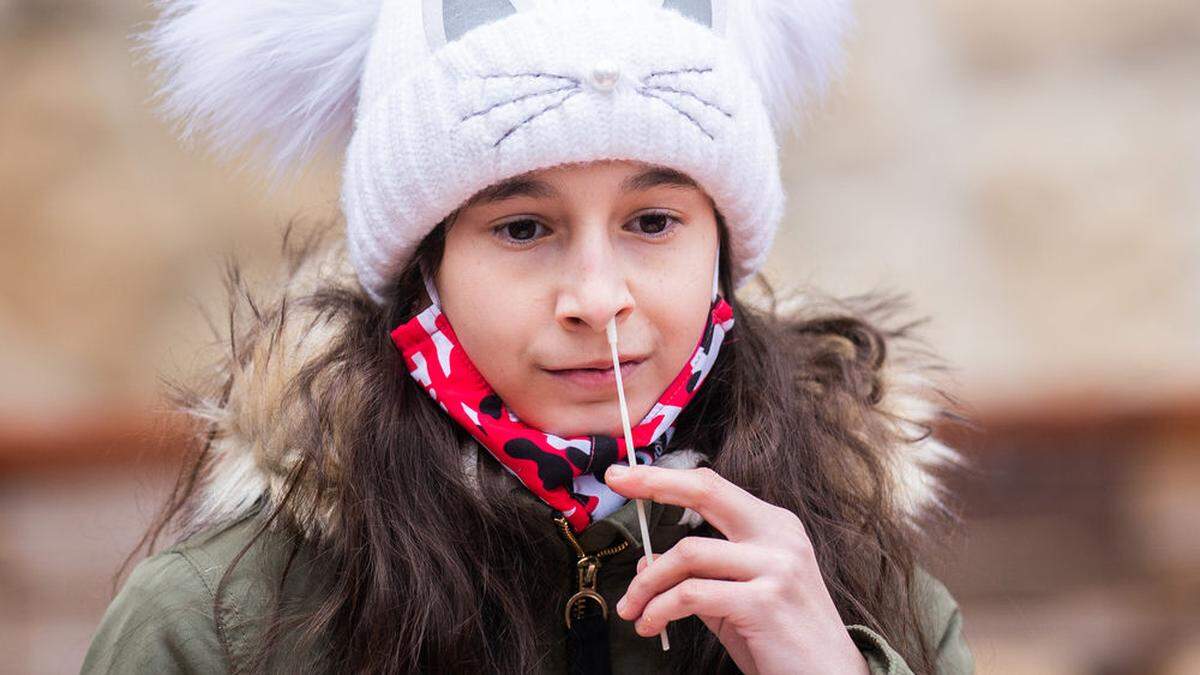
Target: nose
594,289
604,75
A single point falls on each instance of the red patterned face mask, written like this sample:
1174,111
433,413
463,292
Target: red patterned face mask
566,473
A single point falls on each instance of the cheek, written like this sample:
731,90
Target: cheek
676,304
679,306
679,324
492,328
493,335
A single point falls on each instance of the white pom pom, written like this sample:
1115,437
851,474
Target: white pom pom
793,49
277,76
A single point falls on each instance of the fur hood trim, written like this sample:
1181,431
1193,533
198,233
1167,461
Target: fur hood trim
253,425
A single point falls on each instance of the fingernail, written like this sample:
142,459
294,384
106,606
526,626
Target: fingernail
621,606
616,471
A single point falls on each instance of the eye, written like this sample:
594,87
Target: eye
654,224
520,231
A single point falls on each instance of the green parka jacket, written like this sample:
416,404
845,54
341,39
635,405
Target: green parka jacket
164,619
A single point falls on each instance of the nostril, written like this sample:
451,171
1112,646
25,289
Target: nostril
604,76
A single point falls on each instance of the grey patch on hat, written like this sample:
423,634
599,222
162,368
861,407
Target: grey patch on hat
460,16
700,11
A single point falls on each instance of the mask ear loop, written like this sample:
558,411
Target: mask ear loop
429,287
716,285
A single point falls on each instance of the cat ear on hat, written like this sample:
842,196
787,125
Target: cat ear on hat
448,20
282,77
708,13
278,76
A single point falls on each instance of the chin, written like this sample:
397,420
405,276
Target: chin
586,422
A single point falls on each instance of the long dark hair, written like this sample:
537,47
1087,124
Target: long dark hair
430,569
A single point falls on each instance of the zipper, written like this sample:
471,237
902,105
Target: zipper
587,570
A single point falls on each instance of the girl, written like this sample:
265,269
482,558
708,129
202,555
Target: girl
413,455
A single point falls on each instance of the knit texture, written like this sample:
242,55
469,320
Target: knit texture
428,101
569,82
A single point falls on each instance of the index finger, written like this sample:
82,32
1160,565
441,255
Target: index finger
728,507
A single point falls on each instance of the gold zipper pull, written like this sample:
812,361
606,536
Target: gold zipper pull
587,569
588,566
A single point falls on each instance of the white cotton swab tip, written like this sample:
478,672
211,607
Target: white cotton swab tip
611,330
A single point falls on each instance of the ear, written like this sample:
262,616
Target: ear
700,11
448,20
280,75
793,48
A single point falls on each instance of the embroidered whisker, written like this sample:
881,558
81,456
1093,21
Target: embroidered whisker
519,98
534,116
651,93
677,71
494,76
688,93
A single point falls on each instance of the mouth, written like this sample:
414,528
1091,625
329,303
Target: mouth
599,376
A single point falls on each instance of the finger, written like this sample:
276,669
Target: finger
693,557
712,598
732,510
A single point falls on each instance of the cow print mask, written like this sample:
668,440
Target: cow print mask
566,473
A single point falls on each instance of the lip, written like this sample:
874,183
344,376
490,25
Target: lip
596,377
601,363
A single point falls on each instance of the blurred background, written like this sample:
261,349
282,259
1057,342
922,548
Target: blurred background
1027,171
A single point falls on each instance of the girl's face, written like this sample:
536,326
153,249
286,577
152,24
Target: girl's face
535,266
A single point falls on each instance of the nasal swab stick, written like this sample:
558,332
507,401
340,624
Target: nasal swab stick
641,509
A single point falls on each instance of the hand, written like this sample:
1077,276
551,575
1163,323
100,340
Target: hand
760,591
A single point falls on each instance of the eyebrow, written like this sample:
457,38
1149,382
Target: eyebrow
538,189
659,176
512,188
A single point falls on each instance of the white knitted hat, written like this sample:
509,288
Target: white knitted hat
433,100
